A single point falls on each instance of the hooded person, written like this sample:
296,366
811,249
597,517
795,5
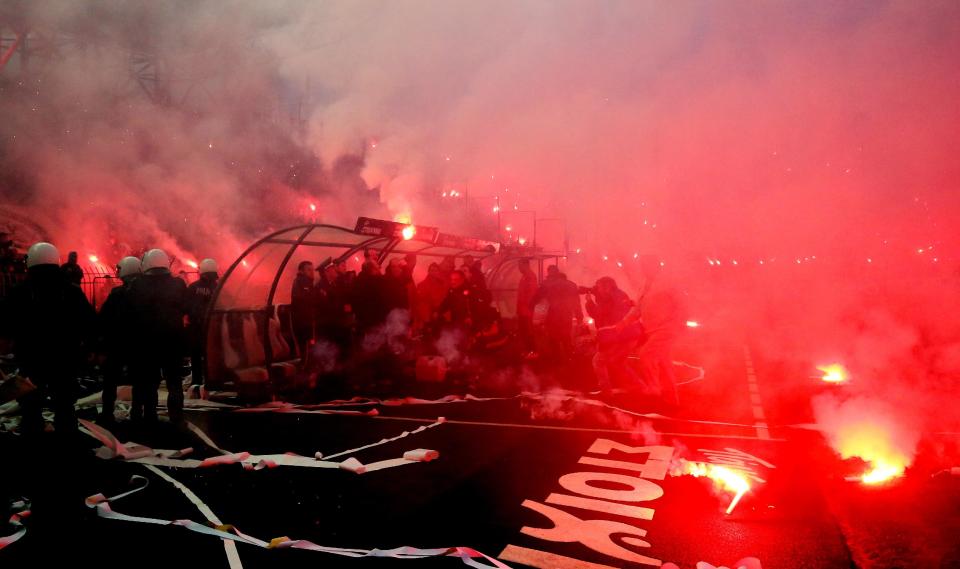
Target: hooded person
49,321
115,324
607,304
159,304
199,296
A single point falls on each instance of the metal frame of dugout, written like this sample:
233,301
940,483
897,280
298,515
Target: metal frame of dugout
249,334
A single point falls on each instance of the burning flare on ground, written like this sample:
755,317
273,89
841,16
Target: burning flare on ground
726,479
875,431
833,373
875,446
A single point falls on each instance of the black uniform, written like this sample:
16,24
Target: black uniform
116,324
199,295
159,303
49,321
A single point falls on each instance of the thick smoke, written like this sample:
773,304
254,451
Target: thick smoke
733,129
131,125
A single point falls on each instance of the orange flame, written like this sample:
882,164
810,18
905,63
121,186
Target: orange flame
881,473
313,207
408,232
873,444
833,373
93,258
192,264
723,478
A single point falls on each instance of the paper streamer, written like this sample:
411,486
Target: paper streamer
439,421
205,438
231,534
133,452
421,455
230,547
701,372
16,520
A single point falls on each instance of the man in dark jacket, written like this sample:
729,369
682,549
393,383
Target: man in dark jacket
456,310
563,298
303,307
396,286
49,321
115,323
526,291
368,298
71,270
199,295
333,315
159,304
430,293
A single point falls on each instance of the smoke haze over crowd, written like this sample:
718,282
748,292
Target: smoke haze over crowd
743,131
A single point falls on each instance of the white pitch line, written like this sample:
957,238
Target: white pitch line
756,404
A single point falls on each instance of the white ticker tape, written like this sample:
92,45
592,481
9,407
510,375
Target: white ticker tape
133,452
16,520
231,534
384,441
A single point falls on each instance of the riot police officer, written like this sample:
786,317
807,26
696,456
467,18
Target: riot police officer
49,321
158,301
